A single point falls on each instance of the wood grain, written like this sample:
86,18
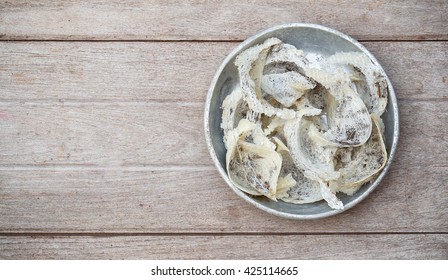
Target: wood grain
216,20
136,134
410,199
106,134
391,246
110,175
181,71
102,153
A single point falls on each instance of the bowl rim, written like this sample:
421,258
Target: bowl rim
248,42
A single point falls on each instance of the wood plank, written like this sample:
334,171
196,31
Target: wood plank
135,134
116,191
85,71
109,71
157,201
107,134
214,20
142,133
391,246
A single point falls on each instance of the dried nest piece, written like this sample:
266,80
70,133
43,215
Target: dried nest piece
348,119
359,165
302,127
250,65
369,79
252,162
292,185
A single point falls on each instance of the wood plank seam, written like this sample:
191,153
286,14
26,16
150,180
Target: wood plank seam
441,39
143,102
188,234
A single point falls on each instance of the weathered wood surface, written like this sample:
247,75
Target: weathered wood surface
103,134
136,134
102,152
152,201
99,71
363,246
108,168
217,20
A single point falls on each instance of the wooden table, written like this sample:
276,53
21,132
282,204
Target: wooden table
102,152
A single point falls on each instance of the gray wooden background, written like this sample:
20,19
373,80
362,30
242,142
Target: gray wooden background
102,152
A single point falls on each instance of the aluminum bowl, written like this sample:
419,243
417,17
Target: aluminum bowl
308,37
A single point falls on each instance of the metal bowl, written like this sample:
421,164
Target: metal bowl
308,37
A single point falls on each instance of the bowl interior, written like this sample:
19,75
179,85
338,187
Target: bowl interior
307,38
